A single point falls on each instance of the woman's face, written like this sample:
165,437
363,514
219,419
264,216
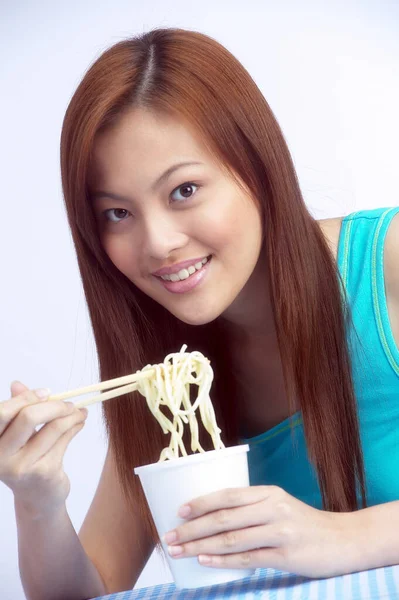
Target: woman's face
155,213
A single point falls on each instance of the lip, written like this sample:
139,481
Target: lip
178,266
186,285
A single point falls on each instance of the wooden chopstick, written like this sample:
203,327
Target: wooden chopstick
104,385
107,396
131,380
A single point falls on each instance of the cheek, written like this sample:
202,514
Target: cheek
234,225
123,254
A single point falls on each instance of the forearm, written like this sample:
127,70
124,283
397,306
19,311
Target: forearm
52,561
377,538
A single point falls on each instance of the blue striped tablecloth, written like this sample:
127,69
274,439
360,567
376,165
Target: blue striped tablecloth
276,585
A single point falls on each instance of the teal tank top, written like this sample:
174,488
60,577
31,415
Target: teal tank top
274,457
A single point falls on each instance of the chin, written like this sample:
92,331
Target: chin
197,317
194,320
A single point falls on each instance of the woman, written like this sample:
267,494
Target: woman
172,161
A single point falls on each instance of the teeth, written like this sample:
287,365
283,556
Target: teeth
185,273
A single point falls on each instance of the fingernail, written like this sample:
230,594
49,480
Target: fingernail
170,537
175,550
204,559
184,511
42,393
84,411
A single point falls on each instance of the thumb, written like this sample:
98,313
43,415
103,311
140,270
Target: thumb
17,388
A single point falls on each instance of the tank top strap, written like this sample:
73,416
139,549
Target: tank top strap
361,264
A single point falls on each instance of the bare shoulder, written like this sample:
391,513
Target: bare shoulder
331,229
391,274
391,257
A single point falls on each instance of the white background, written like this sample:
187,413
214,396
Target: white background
329,72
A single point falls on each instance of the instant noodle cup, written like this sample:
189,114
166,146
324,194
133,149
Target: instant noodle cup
169,484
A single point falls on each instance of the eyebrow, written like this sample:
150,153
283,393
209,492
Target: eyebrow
161,179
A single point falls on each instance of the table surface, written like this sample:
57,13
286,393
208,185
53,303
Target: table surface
375,584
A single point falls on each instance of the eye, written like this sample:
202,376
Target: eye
185,191
116,210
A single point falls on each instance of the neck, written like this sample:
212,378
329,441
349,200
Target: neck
250,316
251,337
251,341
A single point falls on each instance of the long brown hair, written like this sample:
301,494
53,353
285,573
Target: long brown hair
190,75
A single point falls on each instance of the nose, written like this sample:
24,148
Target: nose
160,237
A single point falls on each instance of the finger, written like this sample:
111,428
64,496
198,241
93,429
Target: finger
226,519
56,453
17,388
253,559
23,426
229,542
49,436
9,409
227,498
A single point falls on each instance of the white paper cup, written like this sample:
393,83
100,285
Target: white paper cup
169,484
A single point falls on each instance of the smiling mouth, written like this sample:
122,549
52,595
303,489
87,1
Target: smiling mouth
186,273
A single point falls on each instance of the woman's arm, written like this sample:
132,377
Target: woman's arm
107,556
52,561
377,538
264,526
113,534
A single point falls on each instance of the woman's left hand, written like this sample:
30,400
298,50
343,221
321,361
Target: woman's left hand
264,526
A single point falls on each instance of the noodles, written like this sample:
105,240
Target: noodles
170,387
